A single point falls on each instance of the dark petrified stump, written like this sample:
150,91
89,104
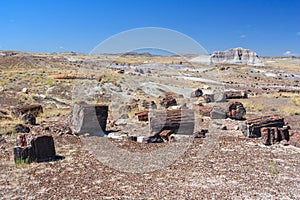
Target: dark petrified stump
34,148
29,119
236,110
20,128
43,148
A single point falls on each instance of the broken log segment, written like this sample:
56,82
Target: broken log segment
236,110
34,109
88,118
295,140
142,116
218,113
205,110
180,121
236,94
34,148
273,135
76,76
252,127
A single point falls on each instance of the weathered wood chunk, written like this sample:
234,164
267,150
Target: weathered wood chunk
29,119
34,109
252,127
236,110
168,101
205,110
273,135
43,148
295,140
34,148
88,118
218,113
180,121
142,116
236,94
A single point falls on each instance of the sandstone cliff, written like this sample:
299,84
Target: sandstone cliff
236,56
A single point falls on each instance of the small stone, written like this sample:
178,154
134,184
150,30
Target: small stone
20,128
218,113
29,119
25,90
284,142
42,96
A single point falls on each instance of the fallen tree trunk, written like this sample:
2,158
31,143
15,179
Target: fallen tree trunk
180,121
252,127
34,109
236,94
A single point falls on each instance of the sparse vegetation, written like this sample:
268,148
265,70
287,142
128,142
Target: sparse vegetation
274,168
296,100
22,162
290,111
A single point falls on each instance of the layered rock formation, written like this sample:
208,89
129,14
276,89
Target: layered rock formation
236,56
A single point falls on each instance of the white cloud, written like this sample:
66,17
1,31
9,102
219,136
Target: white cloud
287,53
290,53
242,36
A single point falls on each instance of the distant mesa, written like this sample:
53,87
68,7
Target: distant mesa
237,56
135,54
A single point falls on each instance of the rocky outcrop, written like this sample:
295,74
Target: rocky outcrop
88,118
236,56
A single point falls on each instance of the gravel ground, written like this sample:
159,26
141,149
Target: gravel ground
234,168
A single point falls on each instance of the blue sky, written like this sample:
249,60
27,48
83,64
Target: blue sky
269,27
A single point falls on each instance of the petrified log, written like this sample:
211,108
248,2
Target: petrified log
88,118
200,134
180,121
205,110
273,135
236,110
168,101
76,76
295,140
34,109
142,116
218,113
236,94
43,148
216,97
197,93
29,119
252,127
34,148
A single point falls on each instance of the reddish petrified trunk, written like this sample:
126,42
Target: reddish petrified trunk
252,127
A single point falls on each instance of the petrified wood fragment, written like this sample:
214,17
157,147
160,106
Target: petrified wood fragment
180,121
252,127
